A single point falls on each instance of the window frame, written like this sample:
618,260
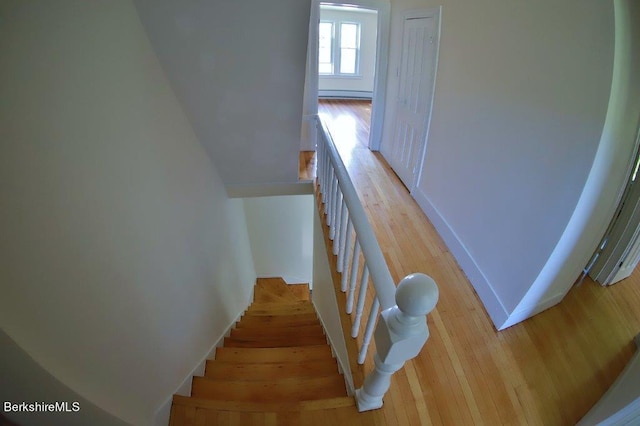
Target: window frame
336,49
331,47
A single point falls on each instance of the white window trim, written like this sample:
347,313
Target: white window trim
333,47
336,50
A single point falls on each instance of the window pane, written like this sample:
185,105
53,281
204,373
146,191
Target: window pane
325,57
326,34
349,35
325,68
347,61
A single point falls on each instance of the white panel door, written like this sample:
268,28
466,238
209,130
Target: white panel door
416,72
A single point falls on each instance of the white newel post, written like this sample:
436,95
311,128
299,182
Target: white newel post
400,334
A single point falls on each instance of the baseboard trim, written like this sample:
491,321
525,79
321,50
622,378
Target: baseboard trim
494,307
344,94
526,312
161,417
269,189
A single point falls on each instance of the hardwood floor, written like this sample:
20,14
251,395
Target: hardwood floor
548,370
351,119
307,162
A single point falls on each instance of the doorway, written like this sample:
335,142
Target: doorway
415,76
310,106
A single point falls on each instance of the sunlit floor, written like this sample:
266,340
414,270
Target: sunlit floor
349,122
548,370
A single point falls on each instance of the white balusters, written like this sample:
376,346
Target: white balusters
321,170
331,193
355,264
325,187
400,330
338,223
344,218
362,296
368,331
345,253
333,200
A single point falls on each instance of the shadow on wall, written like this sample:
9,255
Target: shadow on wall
24,380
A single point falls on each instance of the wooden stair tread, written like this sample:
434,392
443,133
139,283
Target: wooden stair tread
276,360
277,290
280,308
216,369
293,310
281,331
300,290
288,389
273,341
271,355
280,304
279,320
249,406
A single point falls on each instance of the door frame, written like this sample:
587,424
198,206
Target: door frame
383,7
434,13
620,244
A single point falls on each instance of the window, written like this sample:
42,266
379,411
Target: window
325,48
348,48
339,48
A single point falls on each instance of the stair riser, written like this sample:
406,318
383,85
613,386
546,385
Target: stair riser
274,355
280,311
277,332
278,407
267,327
269,372
283,390
274,343
309,316
276,321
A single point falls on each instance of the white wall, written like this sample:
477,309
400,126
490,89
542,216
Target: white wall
361,85
281,236
25,380
325,301
609,171
122,259
520,101
238,67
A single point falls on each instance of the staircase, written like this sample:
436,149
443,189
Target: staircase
274,367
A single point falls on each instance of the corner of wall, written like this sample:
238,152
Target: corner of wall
492,303
163,412
522,313
24,379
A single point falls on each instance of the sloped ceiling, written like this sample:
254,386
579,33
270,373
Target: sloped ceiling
238,69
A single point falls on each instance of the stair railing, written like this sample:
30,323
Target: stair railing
398,316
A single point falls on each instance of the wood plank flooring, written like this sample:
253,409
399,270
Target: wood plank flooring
548,370
307,169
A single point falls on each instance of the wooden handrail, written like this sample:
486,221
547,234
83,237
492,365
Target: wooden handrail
377,265
398,316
